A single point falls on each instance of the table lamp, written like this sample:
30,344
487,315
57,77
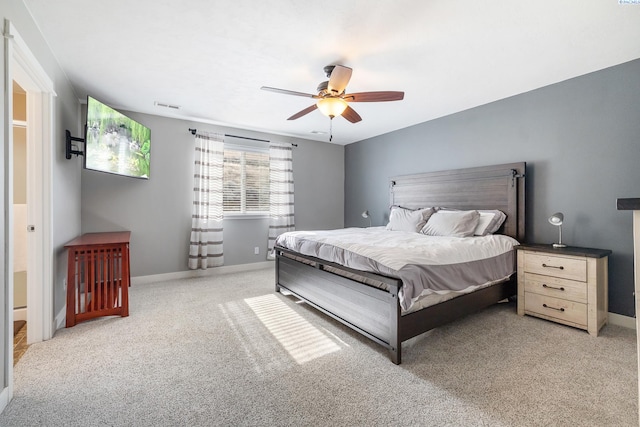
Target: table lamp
365,214
557,219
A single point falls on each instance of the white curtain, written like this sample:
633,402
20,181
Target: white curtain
281,216
205,249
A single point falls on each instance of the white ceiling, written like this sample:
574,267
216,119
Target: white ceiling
211,57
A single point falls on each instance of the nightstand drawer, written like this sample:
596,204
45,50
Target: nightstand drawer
555,287
556,308
548,265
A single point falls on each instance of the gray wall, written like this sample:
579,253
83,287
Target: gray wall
580,139
158,211
66,175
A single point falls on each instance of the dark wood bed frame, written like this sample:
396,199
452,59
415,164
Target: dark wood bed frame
376,313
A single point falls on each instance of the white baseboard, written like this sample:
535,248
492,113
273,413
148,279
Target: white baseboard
225,269
20,314
620,320
4,399
613,319
60,319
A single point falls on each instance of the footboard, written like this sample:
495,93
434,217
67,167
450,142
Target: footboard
370,311
375,313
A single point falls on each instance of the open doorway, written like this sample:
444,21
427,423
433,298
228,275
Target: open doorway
38,90
20,239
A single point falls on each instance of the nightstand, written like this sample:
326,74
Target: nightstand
564,285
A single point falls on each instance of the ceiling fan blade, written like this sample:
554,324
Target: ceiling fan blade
289,92
374,96
351,115
339,79
303,112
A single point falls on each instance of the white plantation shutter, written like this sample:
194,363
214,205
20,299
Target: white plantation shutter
246,181
256,182
232,181
281,212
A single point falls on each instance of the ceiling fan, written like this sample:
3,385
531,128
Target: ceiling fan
332,99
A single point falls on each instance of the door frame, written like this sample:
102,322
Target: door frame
22,66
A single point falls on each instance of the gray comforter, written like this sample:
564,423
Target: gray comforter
425,264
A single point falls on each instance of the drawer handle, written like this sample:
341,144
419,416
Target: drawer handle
544,285
553,266
552,308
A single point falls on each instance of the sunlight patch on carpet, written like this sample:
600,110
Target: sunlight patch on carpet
303,341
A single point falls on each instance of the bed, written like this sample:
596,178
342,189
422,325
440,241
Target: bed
370,303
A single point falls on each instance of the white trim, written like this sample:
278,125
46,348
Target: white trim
614,318
21,65
225,269
28,72
28,62
4,395
250,215
620,320
20,314
45,213
7,346
58,322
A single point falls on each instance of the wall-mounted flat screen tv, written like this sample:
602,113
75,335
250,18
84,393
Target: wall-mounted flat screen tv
114,143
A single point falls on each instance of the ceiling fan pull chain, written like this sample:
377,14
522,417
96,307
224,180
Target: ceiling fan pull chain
330,129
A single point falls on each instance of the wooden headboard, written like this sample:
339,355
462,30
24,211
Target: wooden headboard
488,187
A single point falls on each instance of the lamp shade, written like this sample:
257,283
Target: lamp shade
332,107
556,218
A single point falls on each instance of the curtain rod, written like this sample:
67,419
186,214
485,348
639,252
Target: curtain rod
193,132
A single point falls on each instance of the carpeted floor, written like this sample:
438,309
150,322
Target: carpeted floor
228,351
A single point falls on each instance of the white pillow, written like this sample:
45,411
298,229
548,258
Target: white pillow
489,222
451,223
402,219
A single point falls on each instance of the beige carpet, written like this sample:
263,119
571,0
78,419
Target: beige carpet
228,351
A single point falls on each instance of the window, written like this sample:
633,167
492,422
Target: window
246,181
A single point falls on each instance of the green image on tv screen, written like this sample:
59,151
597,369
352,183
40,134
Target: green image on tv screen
114,143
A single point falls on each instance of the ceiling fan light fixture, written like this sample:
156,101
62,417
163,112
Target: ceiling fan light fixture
332,107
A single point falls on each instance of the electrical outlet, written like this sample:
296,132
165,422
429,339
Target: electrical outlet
256,250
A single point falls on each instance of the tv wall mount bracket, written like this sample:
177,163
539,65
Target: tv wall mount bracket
70,147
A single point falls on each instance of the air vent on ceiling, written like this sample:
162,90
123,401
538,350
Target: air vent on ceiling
165,105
